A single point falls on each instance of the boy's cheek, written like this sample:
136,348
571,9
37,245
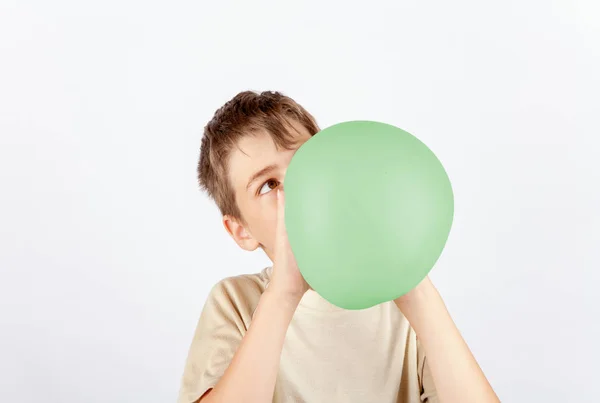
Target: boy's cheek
267,224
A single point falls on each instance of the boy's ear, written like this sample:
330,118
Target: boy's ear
239,233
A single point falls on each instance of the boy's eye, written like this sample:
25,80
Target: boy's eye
268,186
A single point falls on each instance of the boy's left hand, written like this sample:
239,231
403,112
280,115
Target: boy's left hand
455,372
415,296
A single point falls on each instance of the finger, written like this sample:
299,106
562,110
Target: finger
280,212
280,225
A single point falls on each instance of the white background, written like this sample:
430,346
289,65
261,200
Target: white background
108,248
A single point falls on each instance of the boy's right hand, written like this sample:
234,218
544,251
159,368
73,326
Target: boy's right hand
244,381
287,279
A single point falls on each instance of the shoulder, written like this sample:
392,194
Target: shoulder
243,285
223,322
237,296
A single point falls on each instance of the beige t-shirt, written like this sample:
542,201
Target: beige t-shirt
329,354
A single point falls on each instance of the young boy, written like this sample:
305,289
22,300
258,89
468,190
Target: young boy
268,337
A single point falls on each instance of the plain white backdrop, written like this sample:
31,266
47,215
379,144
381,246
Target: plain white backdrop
108,248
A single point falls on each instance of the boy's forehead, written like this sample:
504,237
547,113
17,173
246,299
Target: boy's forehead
250,153
257,151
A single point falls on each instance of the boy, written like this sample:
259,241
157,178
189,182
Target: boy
268,337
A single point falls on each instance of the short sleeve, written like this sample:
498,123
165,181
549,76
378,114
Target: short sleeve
428,391
224,320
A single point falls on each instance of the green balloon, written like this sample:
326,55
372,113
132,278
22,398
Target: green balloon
368,212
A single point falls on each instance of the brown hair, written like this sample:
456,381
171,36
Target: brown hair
243,115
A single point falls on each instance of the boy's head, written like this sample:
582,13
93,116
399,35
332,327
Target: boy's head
245,151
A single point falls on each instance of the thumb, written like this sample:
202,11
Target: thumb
281,240
280,214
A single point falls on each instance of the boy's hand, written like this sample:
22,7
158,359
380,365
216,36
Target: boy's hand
415,296
252,373
287,279
455,372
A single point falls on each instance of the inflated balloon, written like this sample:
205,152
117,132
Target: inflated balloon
368,211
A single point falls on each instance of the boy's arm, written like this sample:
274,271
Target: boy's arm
455,372
251,375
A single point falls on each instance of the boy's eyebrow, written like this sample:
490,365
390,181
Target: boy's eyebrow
260,173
